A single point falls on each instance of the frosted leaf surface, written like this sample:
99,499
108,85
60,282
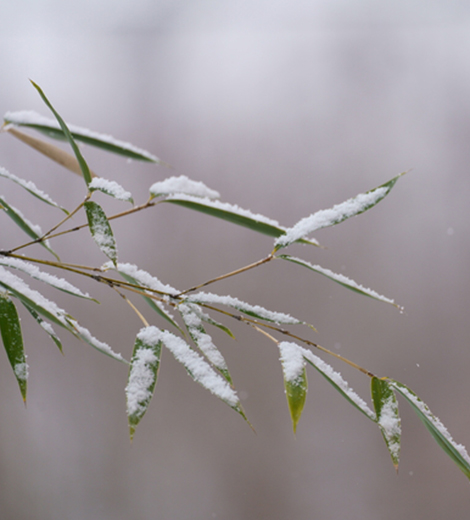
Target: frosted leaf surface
21,371
184,185
142,277
111,187
292,359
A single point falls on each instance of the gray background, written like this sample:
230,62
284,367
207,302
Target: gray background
285,108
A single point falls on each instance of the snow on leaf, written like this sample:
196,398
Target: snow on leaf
181,185
101,230
111,188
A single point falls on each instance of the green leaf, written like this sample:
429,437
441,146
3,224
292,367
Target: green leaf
142,377
101,230
234,215
24,224
338,383
10,330
388,418
31,188
81,161
104,142
455,451
111,188
205,317
336,214
45,326
340,279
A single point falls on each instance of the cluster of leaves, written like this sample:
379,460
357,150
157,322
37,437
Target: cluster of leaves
189,341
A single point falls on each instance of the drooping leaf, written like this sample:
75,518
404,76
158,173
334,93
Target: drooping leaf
205,317
295,379
336,214
388,418
456,452
143,373
50,128
111,188
339,278
81,161
193,321
233,214
30,229
45,326
101,229
337,381
31,188
10,329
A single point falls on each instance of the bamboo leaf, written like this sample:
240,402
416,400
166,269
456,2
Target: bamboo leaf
101,230
142,377
31,188
388,418
10,330
336,214
45,326
111,188
295,379
233,214
456,452
30,229
340,279
81,161
337,381
50,128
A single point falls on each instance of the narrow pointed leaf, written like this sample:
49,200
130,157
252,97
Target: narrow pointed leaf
339,278
233,214
295,379
193,322
32,230
336,214
388,418
101,230
205,317
12,338
50,128
456,452
337,381
81,161
51,151
111,188
46,327
31,188
143,373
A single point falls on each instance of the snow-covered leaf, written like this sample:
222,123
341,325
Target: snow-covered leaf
47,327
193,321
50,127
256,311
388,418
456,452
338,383
32,230
10,329
182,185
111,188
295,379
336,214
143,373
339,278
232,213
31,188
50,279
101,229
81,161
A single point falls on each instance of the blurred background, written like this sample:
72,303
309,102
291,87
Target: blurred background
285,108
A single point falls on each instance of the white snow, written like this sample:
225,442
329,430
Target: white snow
198,368
182,184
210,298
293,362
21,371
35,227
34,272
111,187
193,321
29,117
389,423
100,345
338,380
329,217
142,277
102,233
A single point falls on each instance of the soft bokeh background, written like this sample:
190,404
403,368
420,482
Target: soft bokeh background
285,107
